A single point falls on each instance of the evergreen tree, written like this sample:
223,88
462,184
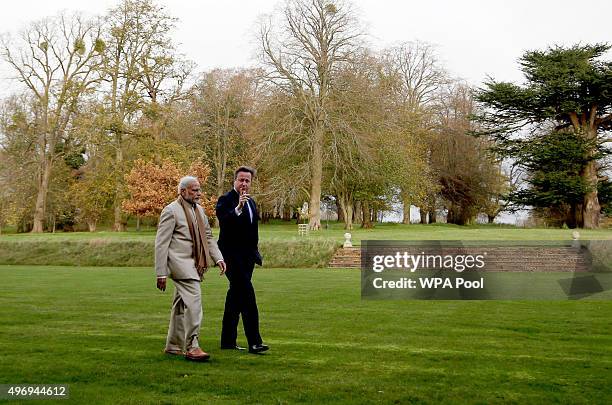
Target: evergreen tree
555,185
568,88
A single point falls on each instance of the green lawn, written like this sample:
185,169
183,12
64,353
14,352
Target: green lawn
101,330
279,243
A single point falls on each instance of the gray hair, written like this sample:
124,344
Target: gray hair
185,182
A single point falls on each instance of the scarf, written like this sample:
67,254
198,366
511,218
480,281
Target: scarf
200,245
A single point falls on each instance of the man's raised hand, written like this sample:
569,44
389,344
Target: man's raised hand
244,197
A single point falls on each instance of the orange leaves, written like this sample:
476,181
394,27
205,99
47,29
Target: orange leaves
201,171
152,186
209,204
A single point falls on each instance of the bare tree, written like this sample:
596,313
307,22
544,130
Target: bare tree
470,175
219,110
415,76
281,141
300,55
163,76
137,63
57,60
418,73
357,121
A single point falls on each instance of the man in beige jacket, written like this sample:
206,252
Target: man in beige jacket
184,248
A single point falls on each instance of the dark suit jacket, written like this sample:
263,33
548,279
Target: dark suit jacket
238,236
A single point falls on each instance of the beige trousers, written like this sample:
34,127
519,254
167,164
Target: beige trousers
186,316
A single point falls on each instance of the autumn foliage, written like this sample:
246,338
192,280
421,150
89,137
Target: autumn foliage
201,171
152,186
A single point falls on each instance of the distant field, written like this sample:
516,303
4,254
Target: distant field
335,232
101,330
279,243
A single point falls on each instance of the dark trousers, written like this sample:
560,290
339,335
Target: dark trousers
240,300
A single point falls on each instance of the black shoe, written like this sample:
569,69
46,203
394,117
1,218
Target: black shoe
232,347
258,348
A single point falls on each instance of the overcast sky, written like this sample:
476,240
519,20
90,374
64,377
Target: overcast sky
475,38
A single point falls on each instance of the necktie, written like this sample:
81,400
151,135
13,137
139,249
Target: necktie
250,210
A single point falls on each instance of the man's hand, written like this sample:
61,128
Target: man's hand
244,197
161,283
223,267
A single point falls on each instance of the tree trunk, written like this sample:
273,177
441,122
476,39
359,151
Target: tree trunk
450,215
91,225
346,207
431,209
406,216
222,154
357,212
286,213
316,170
264,212
423,214
366,215
463,217
220,177
339,211
41,197
138,223
577,216
590,207
119,225
571,214
491,218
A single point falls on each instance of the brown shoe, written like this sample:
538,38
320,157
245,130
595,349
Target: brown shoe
197,354
174,352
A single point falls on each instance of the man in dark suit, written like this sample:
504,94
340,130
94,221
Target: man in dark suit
238,238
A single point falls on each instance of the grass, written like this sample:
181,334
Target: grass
279,243
101,330
127,252
335,231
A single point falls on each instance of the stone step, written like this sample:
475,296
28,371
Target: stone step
502,258
346,258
